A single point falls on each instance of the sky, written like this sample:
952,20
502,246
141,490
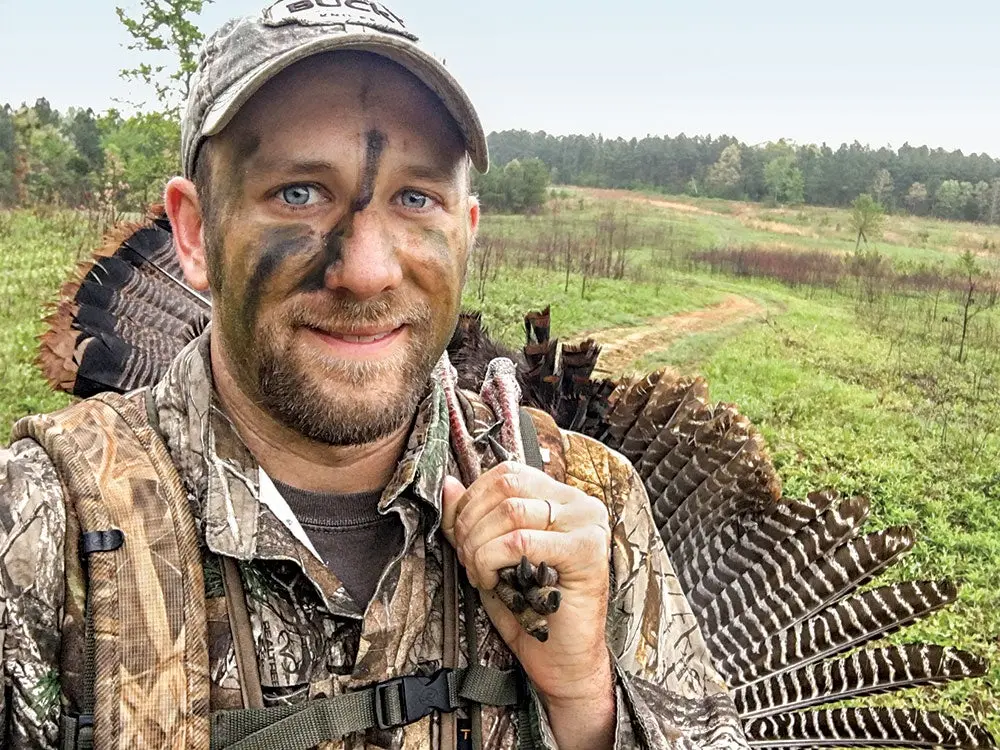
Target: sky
882,72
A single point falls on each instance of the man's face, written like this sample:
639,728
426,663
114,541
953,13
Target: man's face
337,233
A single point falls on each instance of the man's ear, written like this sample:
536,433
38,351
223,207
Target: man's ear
473,217
184,210
473,229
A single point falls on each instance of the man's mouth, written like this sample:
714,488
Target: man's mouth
359,342
361,338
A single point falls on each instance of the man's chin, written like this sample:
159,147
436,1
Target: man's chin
351,418
343,402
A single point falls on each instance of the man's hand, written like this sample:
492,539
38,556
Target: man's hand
504,516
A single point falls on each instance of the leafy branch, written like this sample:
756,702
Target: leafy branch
165,26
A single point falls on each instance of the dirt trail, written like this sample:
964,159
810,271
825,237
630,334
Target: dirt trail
634,197
620,347
750,215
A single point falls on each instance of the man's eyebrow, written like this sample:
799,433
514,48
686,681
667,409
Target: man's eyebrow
430,172
292,166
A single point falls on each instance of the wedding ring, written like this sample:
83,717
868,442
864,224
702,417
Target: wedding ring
552,514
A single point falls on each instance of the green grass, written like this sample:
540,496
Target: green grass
36,257
608,303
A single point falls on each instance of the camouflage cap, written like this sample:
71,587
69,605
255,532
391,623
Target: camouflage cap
247,52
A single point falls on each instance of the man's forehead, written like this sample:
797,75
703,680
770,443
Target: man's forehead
346,95
345,84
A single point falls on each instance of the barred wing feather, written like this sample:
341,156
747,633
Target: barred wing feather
123,316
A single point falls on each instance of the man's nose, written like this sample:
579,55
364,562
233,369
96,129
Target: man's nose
369,263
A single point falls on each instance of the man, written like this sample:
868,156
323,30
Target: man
326,206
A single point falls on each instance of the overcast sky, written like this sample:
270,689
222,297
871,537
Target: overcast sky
877,71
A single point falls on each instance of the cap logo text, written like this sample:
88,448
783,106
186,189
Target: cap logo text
364,6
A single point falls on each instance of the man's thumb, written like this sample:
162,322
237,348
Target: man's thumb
453,491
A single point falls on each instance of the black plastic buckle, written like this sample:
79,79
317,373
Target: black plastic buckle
106,540
418,696
76,732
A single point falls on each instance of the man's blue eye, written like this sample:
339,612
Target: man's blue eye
413,199
297,195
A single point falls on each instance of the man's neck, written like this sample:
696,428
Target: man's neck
293,459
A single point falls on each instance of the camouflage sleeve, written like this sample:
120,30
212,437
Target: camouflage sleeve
32,530
669,689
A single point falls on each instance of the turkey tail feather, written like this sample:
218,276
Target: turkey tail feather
865,727
867,672
851,623
123,316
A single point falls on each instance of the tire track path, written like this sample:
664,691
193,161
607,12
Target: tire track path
620,347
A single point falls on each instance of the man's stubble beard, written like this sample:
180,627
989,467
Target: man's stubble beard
290,386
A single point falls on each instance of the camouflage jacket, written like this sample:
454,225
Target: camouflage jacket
312,639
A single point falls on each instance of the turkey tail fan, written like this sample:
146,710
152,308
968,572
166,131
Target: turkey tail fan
557,379
627,402
774,582
581,402
540,360
767,573
864,727
124,315
820,585
766,542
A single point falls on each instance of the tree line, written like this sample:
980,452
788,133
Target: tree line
81,160
915,179
118,164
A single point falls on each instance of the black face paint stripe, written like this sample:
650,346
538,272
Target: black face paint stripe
333,251
333,241
277,245
245,145
375,141
440,241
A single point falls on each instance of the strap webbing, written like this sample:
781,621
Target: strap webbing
528,735
242,632
76,732
304,726
470,599
451,646
529,440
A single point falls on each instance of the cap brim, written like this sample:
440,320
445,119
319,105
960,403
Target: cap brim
431,72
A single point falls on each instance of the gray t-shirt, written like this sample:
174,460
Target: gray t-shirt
349,533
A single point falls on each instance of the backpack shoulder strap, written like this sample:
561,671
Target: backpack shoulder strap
146,595
544,443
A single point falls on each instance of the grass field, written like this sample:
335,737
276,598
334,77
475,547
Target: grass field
709,222
866,403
